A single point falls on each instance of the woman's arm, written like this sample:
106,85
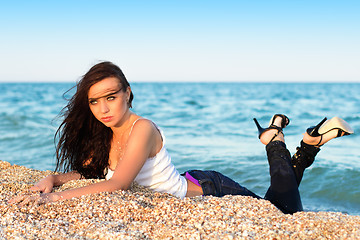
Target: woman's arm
142,143
46,184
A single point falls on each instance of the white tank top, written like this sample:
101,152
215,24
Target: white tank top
158,173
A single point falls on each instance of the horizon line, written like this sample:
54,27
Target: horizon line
192,81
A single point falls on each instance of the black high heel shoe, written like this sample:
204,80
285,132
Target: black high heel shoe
284,122
326,126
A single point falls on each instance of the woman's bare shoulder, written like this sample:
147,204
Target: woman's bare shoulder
146,129
144,124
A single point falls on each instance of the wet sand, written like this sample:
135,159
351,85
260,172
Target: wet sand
143,214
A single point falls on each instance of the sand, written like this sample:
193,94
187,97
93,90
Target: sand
142,214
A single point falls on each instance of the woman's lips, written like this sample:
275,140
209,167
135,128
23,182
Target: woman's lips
106,119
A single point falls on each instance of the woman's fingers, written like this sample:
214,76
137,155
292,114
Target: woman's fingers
16,199
29,199
41,188
35,188
47,190
24,199
34,198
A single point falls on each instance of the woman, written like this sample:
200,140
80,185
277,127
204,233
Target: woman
101,138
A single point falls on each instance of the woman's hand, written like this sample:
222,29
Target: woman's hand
45,185
39,193
35,198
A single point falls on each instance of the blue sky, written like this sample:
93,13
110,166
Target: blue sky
184,40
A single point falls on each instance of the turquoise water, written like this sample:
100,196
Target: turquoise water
209,126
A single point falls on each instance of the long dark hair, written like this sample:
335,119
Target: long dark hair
84,142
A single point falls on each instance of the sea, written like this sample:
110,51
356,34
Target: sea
208,126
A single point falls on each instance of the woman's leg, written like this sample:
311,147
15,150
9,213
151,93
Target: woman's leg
303,158
283,191
216,184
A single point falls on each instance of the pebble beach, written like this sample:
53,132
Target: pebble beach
142,214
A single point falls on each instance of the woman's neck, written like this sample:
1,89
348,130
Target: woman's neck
125,125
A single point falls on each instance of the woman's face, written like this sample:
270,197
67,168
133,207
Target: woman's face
108,101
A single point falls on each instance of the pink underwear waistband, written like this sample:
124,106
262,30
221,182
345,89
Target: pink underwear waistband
190,178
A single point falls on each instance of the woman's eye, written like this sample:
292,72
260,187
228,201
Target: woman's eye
110,98
93,102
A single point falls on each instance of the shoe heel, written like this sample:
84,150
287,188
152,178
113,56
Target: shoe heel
314,131
260,129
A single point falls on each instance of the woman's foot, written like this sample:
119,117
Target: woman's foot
327,130
274,131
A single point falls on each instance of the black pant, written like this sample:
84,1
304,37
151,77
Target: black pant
285,176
